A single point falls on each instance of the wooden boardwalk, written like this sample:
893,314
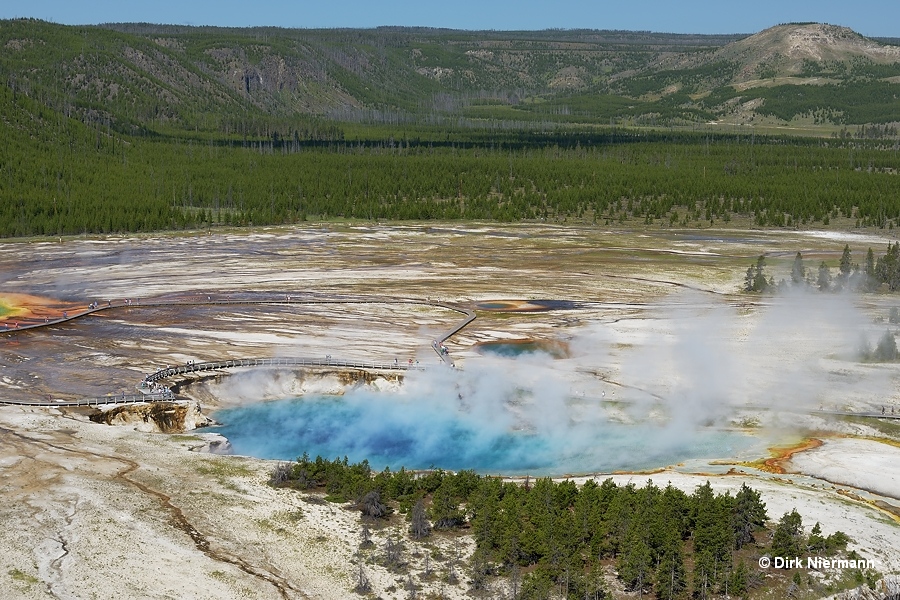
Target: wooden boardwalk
221,365
153,392
165,396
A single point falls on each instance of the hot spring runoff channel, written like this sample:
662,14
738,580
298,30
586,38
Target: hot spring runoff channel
393,430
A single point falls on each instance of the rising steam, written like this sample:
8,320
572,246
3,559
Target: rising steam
642,392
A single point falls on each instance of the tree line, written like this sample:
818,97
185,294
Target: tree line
61,176
881,274
659,540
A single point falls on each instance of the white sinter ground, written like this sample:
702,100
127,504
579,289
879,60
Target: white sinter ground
660,329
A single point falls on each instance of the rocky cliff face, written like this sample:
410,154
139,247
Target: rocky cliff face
163,417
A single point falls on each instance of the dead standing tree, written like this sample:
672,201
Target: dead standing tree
393,554
419,526
363,585
365,536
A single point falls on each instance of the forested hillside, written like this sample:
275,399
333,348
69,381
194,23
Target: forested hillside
60,176
146,127
236,81
225,80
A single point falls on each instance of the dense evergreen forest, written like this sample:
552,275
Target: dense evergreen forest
62,176
552,539
131,128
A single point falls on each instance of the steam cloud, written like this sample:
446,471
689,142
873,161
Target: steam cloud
681,365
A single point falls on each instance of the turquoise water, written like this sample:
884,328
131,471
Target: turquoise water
510,350
517,349
395,432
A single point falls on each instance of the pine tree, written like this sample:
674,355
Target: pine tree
798,271
445,511
371,505
619,514
671,580
484,505
635,562
816,542
787,541
824,280
512,519
713,538
748,279
886,350
748,515
888,267
737,584
871,281
760,283
846,264
363,586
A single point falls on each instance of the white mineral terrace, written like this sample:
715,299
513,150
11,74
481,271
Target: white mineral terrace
658,332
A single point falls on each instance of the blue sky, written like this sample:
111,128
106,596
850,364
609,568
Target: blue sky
869,17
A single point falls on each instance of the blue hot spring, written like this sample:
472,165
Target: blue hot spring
393,430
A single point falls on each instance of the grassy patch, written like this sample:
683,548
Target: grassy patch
888,428
224,468
294,515
289,516
271,525
24,578
220,576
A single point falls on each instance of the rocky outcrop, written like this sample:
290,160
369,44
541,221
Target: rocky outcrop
885,589
163,417
784,50
213,443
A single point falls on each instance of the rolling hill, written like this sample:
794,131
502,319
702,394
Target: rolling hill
138,127
157,78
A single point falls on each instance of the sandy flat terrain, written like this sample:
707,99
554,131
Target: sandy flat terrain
658,332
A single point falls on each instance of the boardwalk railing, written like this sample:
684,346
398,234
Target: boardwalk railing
219,299
278,362
165,396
